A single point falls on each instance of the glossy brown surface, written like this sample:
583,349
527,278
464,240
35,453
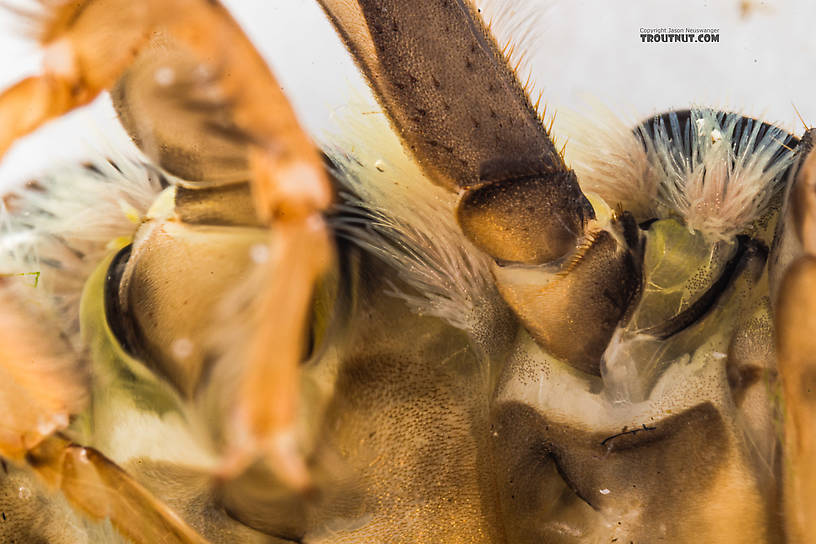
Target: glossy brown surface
573,312
527,220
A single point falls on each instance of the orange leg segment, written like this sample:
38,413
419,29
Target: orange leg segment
89,44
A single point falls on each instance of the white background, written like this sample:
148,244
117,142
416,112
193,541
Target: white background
764,64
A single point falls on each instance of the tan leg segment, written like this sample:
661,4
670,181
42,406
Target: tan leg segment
88,46
290,189
42,384
42,381
292,193
796,352
268,395
102,490
796,344
30,103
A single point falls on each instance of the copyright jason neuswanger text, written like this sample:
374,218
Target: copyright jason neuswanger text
679,35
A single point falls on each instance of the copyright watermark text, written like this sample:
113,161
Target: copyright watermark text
679,35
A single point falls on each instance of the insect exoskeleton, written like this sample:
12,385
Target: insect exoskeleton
439,328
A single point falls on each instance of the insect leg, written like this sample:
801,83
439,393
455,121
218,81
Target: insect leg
471,126
88,46
290,190
468,121
30,103
83,56
44,384
795,318
102,490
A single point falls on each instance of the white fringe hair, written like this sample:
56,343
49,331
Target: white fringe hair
715,171
516,27
409,222
57,229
